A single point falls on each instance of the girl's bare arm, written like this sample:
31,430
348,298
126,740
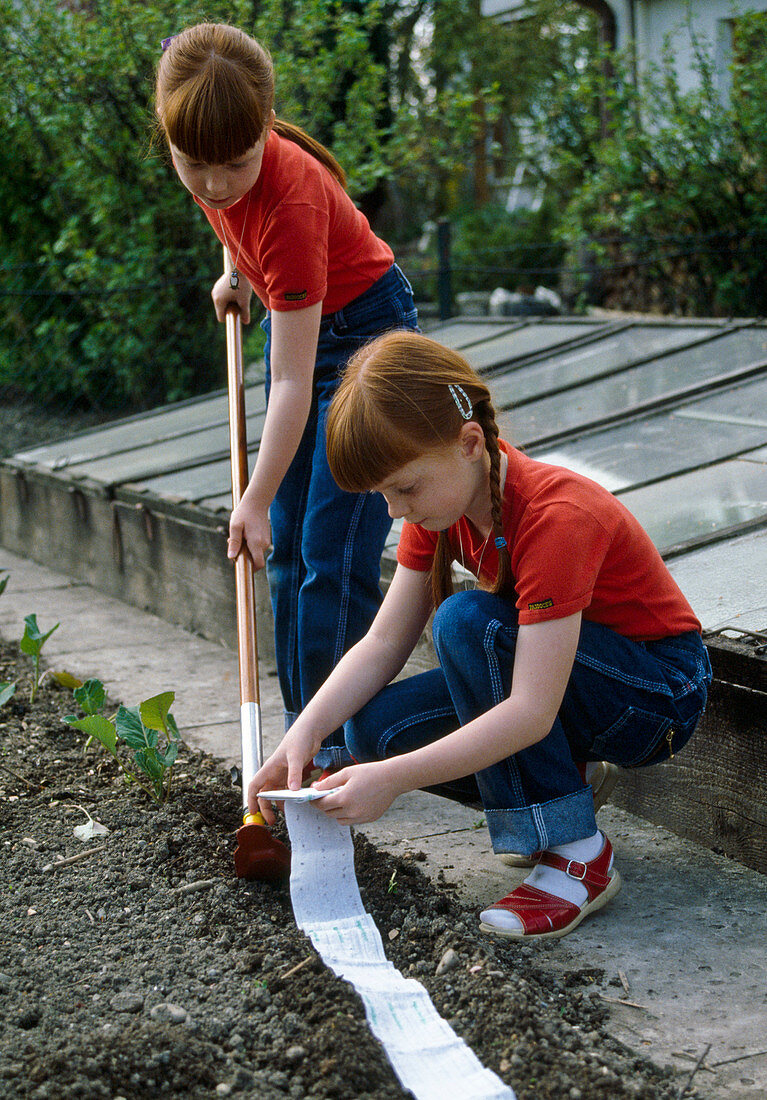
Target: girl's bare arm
368,666
293,353
542,665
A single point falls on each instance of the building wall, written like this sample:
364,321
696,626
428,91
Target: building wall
711,20
651,22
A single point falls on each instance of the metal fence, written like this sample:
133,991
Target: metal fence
74,353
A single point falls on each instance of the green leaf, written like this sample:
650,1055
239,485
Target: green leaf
170,755
95,725
130,728
154,711
28,643
7,690
173,729
3,582
153,767
90,696
33,640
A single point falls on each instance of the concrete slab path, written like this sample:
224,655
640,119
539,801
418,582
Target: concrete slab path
682,950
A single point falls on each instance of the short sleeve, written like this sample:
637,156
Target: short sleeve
557,556
416,547
294,256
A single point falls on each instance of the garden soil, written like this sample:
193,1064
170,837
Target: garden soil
146,969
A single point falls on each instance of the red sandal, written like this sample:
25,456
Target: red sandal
544,916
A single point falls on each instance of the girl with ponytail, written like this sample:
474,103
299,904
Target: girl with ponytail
276,199
574,645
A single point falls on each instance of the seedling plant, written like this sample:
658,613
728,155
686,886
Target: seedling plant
32,644
149,731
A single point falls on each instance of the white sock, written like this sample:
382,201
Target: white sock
553,881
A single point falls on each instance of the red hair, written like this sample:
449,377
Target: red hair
393,404
214,97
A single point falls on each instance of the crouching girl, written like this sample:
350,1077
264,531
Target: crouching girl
575,644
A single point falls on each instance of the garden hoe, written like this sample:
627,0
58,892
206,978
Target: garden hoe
258,855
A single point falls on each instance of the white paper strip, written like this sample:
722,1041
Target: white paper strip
304,794
427,1056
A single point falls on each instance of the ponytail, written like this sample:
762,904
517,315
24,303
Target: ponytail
310,145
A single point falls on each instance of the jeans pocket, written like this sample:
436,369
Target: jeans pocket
638,737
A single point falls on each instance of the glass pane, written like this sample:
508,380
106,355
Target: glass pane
185,450
212,479
745,404
661,445
220,503
620,393
700,503
144,430
526,341
592,361
460,334
725,582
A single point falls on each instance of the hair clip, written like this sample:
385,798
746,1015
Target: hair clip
167,41
455,391
501,543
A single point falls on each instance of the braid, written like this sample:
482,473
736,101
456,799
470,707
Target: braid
485,417
441,571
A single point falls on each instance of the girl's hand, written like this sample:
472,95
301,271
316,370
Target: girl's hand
284,768
223,296
367,792
249,525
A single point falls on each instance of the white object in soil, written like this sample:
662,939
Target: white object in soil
425,1053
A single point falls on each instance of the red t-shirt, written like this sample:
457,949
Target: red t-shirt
574,547
305,241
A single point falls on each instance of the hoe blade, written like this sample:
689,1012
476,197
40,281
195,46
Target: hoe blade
260,856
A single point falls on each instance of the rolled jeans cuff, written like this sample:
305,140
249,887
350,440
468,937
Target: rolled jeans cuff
333,756
529,829
333,753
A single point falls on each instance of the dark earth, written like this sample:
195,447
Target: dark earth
148,970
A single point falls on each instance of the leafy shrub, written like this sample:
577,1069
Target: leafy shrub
671,208
492,247
106,263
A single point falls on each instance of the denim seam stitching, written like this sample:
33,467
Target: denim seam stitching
615,674
496,688
488,643
411,720
342,325
540,826
346,567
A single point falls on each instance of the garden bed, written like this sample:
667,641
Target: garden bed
148,970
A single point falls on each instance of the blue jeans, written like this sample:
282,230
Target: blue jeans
631,703
324,568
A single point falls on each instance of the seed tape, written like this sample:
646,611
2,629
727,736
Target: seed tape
425,1053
